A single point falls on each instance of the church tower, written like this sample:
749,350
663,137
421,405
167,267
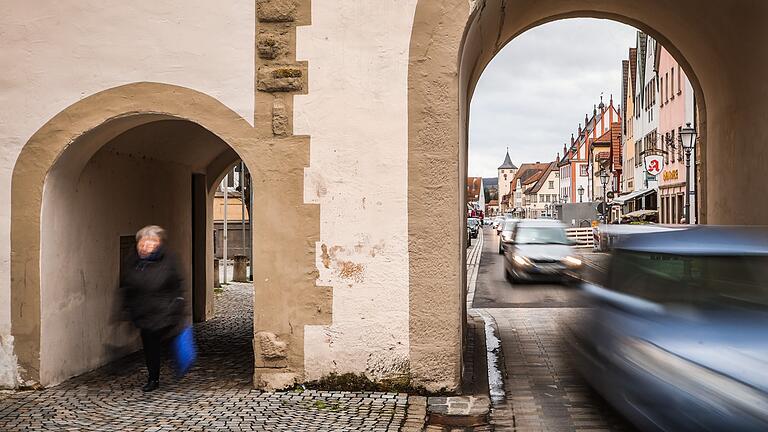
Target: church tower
507,172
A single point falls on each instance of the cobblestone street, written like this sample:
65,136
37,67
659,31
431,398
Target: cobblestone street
215,395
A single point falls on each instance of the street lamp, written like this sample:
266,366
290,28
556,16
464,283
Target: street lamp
581,193
688,140
604,181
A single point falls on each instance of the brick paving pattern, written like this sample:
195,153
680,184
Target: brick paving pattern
216,394
544,392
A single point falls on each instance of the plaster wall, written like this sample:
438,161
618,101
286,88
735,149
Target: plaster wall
84,214
56,53
356,114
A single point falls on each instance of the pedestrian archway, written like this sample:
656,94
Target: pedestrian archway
130,156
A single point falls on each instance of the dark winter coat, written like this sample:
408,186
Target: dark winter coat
152,291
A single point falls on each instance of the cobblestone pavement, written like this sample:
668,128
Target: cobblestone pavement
215,395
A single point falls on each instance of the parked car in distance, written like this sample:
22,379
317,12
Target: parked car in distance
505,236
473,227
497,220
540,250
500,226
676,339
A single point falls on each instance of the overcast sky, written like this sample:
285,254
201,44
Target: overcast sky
535,92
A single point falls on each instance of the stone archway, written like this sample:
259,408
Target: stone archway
285,294
451,44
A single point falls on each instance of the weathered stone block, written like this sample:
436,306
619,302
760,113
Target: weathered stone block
279,118
271,44
271,347
275,381
276,10
280,78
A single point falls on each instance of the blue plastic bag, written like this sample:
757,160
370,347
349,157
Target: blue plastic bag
184,350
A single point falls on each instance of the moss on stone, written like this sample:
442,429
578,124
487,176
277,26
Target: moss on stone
360,382
286,73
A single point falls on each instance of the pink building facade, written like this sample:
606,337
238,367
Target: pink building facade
676,108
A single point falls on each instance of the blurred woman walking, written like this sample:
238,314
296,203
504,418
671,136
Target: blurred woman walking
153,295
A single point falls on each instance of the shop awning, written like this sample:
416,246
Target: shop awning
632,195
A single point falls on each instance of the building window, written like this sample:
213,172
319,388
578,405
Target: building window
679,87
551,184
672,146
672,85
583,170
666,89
505,176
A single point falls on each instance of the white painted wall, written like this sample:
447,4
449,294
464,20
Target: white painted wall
82,220
55,53
356,115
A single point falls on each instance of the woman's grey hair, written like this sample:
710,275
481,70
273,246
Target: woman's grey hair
151,231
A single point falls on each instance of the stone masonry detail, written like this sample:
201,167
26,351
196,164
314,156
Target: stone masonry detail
279,341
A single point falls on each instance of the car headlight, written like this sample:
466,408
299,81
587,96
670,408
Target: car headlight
572,261
720,391
521,260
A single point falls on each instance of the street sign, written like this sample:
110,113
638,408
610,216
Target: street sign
600,207
653,164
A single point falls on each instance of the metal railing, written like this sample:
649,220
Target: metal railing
584,237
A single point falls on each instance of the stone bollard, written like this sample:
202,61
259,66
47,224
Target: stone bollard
241,268
216,274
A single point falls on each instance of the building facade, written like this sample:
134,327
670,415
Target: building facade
645,124
579,168
628,157
541,195
676,109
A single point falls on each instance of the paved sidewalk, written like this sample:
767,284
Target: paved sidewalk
216,395
544,392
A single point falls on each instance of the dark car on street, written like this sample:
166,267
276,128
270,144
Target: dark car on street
677,340
539,249
473,227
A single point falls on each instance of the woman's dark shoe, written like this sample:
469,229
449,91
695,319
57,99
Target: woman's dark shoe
151,385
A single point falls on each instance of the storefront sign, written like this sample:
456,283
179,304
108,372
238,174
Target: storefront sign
653,164
670,175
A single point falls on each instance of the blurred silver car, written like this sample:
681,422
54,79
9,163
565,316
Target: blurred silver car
676,340
540,250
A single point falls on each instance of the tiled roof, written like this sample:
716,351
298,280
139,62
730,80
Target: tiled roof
544,175
525,172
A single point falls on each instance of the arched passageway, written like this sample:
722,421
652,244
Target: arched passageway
116,161
451,44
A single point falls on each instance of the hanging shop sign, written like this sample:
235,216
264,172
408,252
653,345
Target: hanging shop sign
670,175
654,164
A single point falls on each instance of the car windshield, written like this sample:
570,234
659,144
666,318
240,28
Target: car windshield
540,235
509,225
473,222
702,281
